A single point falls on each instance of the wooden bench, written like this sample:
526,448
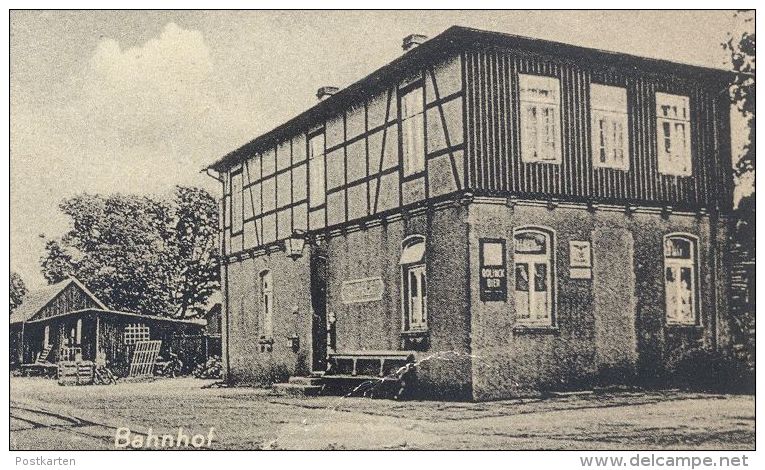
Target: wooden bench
47,369
380,358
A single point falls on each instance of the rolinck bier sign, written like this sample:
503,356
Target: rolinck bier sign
368,289
493,270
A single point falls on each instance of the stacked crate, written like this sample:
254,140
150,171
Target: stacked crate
76,373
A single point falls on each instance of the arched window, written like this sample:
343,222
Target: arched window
414,286
266,305
534,276
680,279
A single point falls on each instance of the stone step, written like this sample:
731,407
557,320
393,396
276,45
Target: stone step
301,390
305,380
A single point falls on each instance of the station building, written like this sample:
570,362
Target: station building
516,215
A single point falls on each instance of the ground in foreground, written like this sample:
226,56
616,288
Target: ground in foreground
45,415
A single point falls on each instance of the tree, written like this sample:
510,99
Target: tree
196,228
139,253
741,47
18,290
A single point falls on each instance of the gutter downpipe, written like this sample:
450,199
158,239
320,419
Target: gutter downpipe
224,272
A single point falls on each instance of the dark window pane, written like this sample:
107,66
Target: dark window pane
685,278
531,242
677,248
540,277
522,277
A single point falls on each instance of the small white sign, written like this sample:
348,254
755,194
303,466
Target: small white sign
580,273
369,289
580,254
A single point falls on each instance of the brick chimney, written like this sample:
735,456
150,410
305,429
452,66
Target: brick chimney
412,41
325,92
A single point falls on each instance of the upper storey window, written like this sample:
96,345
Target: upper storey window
317,190
673,125
413,131
540,119
610,142
236,201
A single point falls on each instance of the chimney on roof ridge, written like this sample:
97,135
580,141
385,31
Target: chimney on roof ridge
412,41
326,91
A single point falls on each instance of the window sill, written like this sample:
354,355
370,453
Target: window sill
542,162
415,333
684,326
535,329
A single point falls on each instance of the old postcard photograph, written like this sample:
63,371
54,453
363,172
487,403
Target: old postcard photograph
383,230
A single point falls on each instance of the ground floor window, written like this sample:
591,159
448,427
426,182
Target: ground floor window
266,305
136,332
415,284
534,276
680,276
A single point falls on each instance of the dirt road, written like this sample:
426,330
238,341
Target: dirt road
47,416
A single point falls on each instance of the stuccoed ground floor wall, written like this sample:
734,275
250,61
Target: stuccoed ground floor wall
610,328
371,254
249,358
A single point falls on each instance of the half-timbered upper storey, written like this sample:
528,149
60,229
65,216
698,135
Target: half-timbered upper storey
494,114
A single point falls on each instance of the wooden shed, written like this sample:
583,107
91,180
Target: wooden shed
65,321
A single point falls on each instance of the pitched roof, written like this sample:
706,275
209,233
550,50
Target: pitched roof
140,316
36,300
454,39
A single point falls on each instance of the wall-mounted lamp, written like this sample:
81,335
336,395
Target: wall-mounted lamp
295,244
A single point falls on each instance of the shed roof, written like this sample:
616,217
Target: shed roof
36,300
455,39
140,316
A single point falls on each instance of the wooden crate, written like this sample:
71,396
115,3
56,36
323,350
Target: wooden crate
76,373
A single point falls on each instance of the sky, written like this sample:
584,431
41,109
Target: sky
138,102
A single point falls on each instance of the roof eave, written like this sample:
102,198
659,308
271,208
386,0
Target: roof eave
457,38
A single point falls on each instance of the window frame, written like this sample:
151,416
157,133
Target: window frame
678,263
237,221
317,171
266,301
612,113
532,259
133,333
419,268
412,167
527,81
668,161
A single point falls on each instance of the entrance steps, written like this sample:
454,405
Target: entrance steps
299,386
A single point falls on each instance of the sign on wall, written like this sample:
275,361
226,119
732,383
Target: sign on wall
369,289
580,259
493,269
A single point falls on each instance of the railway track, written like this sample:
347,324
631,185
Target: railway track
32,419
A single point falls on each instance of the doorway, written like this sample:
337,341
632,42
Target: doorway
615,303
319,306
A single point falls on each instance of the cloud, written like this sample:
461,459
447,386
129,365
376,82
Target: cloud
150,93
138,120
